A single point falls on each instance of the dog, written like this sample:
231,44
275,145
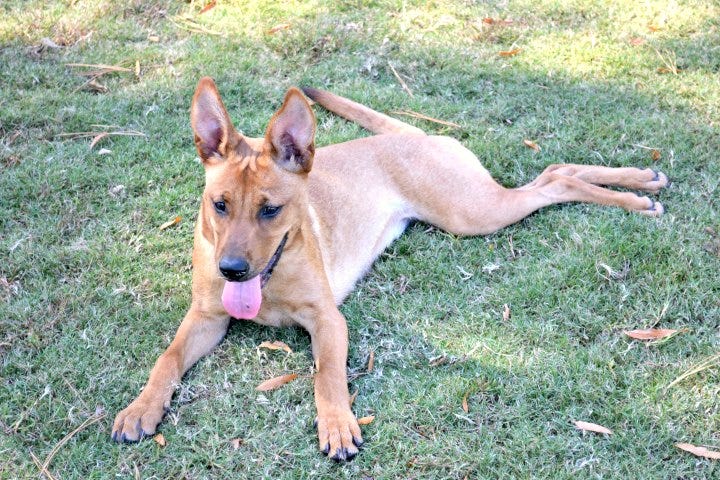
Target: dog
285,231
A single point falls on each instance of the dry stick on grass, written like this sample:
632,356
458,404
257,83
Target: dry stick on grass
24,414
131,133
66,438
670,63
412,114
193,26
101,70
704,365
402,82
43,470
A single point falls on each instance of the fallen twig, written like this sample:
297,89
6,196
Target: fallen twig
193,26
402,82
66,438
410,113
43,469
100,66
704,365
101,69
132,133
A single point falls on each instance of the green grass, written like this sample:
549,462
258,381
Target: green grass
91,291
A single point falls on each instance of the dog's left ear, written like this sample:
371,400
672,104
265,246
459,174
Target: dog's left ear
291,133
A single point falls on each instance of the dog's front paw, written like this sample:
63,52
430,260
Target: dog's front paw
138,420
339,434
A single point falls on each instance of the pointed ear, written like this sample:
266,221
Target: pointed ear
214,132
291,133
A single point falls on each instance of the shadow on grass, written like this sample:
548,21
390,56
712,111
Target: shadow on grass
92,292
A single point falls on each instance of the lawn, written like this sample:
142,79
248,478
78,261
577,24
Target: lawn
92,290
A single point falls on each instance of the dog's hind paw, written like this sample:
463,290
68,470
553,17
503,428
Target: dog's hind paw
658,181
655,210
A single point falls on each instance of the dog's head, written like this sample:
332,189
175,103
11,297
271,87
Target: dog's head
255,190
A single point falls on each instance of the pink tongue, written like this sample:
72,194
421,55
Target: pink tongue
242,299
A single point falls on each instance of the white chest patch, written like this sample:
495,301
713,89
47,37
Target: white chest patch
370,239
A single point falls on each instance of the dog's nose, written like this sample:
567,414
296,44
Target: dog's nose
234,269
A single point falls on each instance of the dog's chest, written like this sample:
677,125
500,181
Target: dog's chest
349,248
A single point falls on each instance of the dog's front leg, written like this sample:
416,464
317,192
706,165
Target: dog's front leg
338,431
197,335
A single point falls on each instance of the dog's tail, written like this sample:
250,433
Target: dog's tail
366,117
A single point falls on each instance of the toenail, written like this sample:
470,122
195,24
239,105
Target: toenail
340,455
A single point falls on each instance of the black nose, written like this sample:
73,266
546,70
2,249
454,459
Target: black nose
234,269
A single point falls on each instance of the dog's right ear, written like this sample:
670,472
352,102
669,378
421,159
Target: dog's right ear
214,132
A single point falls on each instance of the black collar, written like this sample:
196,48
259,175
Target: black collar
265,274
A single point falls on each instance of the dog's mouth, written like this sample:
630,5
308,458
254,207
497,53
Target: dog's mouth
243,299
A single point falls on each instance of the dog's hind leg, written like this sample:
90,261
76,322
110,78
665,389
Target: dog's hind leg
455,193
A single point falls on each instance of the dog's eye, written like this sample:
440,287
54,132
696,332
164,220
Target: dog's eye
220,206
269,211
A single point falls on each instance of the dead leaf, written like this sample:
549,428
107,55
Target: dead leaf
13,137
160,439
465,407
236,443
615,274
637,41
353,397
153,38
439,360
673,70
278,27
276,345
117,190
650,333
95,86
97,138
496,21
655,154
137,68
210,5
506,312
12,160
654,28
366,420
531,144
371,361
276,382
46,42
592,427
170,223
510,53
699,451
713,246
